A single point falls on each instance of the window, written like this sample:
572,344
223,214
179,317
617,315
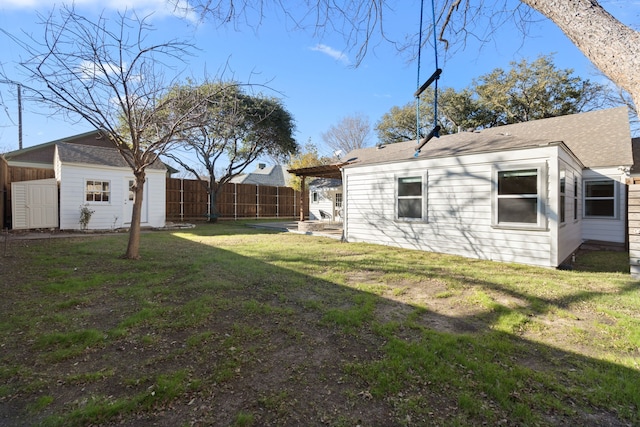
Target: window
132,190
410,198
600,198
575,197
518,197
97,191
563,208
338,200
315,197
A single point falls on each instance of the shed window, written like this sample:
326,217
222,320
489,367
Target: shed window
410,198
97,191
600,198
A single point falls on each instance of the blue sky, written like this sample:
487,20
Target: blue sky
314,76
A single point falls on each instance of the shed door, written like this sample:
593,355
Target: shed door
129,199
34,204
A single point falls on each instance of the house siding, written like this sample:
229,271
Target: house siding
610,229
459,208
570,232
108,215
325,203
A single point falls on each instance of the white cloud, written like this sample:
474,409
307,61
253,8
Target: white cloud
335,54
91,70
158,8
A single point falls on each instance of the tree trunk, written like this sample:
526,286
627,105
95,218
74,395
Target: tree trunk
213,198
611,46
133,248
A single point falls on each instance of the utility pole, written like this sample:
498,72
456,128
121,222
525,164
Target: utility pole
19,87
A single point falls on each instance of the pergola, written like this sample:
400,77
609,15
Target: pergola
333,171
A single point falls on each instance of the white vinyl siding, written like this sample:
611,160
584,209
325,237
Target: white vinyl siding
459,208
608,229
324,199
108,215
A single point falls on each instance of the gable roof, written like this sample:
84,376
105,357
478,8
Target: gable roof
42,154
597,138
319,183
274,176
94,155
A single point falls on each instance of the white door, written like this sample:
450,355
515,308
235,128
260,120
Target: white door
34,204
129,199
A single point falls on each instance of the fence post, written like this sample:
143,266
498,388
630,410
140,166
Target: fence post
181,199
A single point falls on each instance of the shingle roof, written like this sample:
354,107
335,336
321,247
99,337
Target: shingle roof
94,155
598,138
325,183
43,153
274,176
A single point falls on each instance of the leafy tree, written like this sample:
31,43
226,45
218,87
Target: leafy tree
528,91
463,111
108,74
398,125
305,158
234,130
536,90
456,110
350,133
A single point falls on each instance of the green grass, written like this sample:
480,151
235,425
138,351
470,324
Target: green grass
228,325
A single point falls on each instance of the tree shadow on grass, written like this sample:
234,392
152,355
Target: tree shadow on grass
232,336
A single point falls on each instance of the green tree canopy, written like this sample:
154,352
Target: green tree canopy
237,129
535,90
528,91
305,158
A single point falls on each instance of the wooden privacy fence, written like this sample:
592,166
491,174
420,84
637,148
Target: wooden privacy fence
634,229
187,200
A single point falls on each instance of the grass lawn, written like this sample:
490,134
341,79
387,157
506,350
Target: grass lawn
227,325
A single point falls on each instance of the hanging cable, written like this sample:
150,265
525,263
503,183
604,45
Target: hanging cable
418,80
434,78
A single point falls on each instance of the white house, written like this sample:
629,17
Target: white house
530,192
90,172
325,200
273,176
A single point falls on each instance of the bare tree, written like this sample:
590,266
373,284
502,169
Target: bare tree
350,133
614,48
108,74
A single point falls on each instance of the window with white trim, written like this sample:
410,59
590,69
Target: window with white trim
563,198
600,198
410,198
575,198
518,195
97,191
338,200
